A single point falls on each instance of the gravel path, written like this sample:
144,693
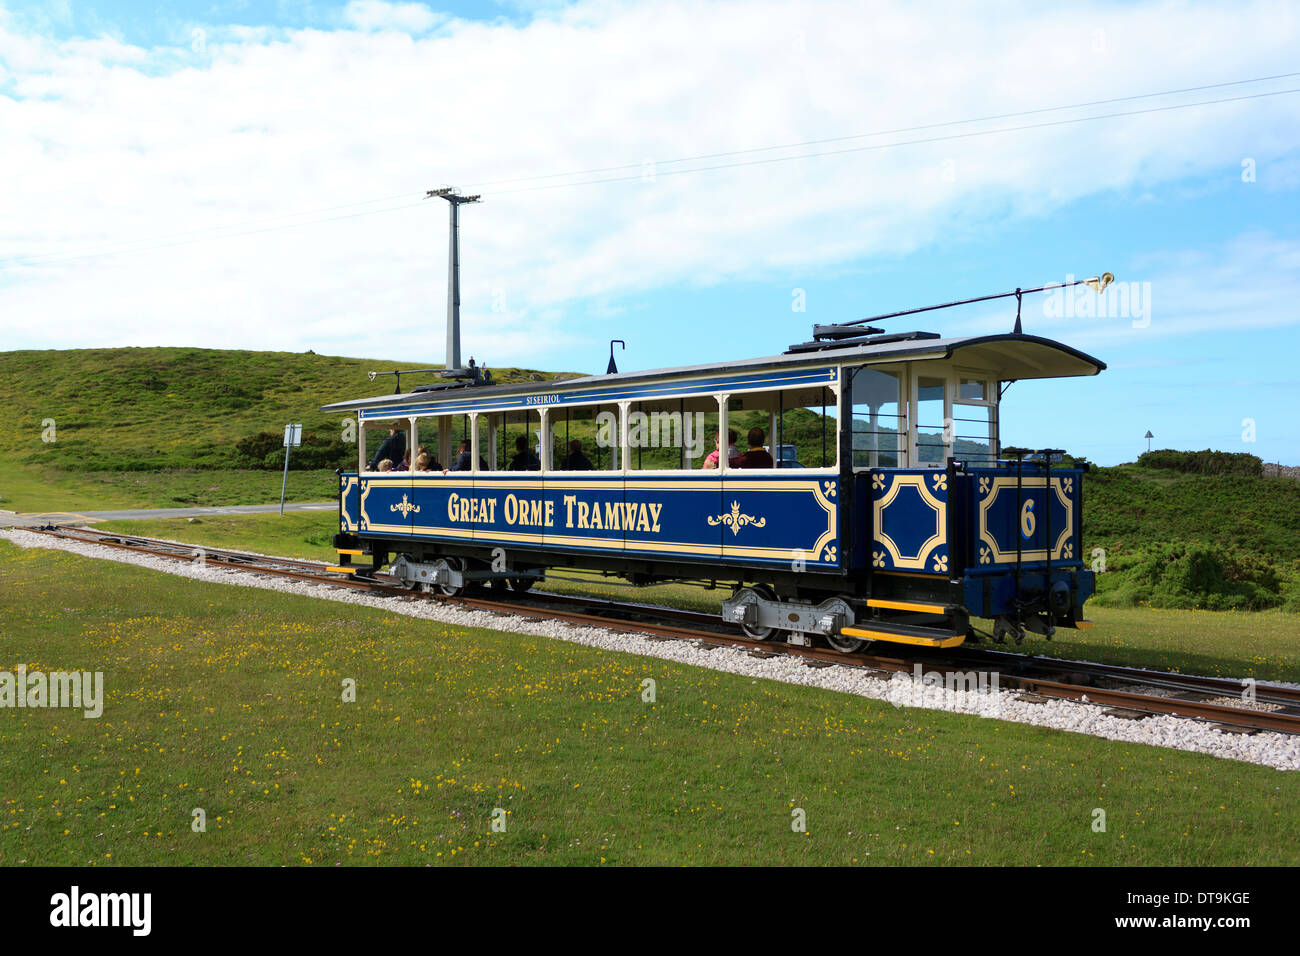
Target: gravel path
1280,751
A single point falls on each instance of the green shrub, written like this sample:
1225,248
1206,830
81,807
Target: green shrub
1192,575
1207,462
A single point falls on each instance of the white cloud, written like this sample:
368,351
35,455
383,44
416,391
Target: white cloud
108,142
377,15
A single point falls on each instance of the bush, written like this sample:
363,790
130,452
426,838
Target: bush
1206,462
1192,575
266,450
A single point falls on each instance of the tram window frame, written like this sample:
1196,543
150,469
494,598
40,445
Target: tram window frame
504,445
561,416
952,378
402,423
777,403
990,401
678,409
902,452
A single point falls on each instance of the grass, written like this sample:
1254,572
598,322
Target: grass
29,488
1264,645
228,699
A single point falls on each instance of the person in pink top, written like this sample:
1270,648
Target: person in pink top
733,454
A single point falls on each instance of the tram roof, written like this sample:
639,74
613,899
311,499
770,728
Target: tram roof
1009,356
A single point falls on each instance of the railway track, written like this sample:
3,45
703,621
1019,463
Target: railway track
1126,691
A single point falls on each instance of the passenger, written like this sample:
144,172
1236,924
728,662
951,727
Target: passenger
757,456
733,456
576,460
463,462
524,459
422,462
406,461
385,465
393,448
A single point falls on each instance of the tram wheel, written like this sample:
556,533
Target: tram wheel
763,633
846,645
452,590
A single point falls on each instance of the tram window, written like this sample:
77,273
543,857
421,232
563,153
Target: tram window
973,433
971,390
666,434
798,428
974,417
512,453
377,435
931,447
878,420
573,438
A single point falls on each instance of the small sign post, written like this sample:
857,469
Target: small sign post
292,439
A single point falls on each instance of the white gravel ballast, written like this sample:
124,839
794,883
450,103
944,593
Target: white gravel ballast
1280,751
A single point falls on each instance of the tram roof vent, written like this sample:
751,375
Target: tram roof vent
827,337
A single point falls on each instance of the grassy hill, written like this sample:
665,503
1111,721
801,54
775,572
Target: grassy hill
145,409
163,427
1180,540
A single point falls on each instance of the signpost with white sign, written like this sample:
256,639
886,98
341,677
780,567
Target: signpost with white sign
292,439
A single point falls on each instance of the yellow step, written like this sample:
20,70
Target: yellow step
340,570
1084,625
871,635
917,606
348,551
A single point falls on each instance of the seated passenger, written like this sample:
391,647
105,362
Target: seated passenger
393,448
524,459
406,462
733,456
576,460
422,462
463,460
385,465
757,456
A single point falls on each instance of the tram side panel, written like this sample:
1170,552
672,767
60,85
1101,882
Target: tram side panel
789,521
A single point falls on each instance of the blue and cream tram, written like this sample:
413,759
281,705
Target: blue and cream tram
900,521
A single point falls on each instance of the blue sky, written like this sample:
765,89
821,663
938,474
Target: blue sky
250,175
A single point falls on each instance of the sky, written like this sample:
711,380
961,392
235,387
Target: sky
704,180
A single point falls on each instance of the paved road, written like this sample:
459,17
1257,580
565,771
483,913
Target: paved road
79,518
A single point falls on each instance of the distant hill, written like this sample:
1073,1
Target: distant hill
147,409
1178,539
